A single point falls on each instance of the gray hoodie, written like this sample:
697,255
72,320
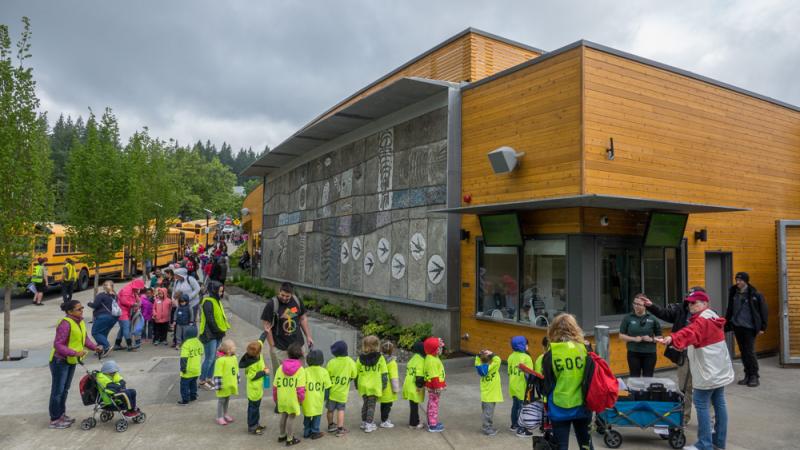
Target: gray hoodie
188,286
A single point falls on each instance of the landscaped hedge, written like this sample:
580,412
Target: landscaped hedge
372,319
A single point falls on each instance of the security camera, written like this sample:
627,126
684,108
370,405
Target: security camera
604,221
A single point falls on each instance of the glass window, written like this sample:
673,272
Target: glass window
544,275
673,275
40,245
620,279
498,282
655,285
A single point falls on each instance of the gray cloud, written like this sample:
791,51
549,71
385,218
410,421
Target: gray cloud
251,73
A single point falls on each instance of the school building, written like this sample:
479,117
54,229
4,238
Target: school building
487,185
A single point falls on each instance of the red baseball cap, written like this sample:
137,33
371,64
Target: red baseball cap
697,296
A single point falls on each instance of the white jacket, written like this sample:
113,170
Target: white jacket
709,360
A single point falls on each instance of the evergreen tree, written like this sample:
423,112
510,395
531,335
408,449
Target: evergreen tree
25,169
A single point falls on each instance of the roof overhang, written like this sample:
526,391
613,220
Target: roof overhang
592,201
394,97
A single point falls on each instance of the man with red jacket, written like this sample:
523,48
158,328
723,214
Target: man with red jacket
711,368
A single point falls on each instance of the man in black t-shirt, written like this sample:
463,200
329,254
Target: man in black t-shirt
283,327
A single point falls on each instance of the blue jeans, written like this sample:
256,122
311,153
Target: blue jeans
124,332
101,327
62,373
310,426
210,349
188,389
253,414
516,407
703,400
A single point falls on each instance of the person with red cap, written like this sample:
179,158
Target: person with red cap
711,367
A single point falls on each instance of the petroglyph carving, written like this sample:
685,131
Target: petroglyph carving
398,266
417,246
384,248
385,169
436,269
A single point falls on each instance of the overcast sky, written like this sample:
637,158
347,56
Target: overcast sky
253,72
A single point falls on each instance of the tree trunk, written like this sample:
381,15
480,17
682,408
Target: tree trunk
96,278
7,323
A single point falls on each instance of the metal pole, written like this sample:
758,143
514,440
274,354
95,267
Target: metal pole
206,231
601,342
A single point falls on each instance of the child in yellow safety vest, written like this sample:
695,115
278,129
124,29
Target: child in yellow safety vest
517,380
487,364
226,379
389,395
414,385
342,370
112,383
257,376
434,373
191,359
373,377
318,384
289,391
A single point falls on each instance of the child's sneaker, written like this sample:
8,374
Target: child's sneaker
292,441
387,424
183,403
524,433
130,413
370,427
341,431
363,425
258,431
59,424
331,428
438,428
316,436
228,418
490,432
221,421
418,426
513,428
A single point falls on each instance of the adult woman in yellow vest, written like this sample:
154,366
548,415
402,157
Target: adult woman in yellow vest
39,279
69,347
213,325
563,367
68,280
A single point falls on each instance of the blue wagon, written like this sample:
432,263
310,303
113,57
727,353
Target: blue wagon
652,403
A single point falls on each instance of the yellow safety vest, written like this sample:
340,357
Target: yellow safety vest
219,316
77,338
72,275
38,273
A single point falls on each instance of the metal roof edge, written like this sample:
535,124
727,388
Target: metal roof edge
686,73
483,33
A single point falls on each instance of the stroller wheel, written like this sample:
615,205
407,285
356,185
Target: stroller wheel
140,418
677,439
612,439
121,425
105,416
88,423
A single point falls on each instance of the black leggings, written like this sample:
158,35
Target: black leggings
641,364
160,331
386,408
561,433
413,418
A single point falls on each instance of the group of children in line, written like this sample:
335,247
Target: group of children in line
153,316
315,389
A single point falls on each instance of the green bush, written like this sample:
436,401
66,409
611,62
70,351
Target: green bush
374,328
310,302
333,310
408,336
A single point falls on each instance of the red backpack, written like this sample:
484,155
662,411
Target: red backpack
600,386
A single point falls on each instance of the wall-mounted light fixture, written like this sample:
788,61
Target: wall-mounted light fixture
504,159
464,235
604,221
610,150
701,235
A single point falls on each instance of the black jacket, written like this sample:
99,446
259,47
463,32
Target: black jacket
677,314
102,304
758,308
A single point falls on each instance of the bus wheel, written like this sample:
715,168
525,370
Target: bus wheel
83,280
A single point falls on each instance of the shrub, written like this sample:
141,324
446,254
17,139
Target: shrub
374,328
310,302
333,310
408,336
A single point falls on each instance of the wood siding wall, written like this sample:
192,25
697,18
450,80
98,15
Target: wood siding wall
682,139
468,58
536,110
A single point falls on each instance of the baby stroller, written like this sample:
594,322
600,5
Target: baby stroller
651,403
106,404
533,414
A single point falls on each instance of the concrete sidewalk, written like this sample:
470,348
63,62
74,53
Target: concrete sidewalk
762,418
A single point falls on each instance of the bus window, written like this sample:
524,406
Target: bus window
40,245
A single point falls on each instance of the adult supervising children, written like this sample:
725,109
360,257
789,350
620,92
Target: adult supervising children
284,316
213,325
746,316
639,329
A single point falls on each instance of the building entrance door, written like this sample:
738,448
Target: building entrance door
719,277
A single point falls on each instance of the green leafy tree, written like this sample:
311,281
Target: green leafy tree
25,168
98,200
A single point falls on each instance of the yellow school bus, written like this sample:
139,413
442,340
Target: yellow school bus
54,245
171,248
199,228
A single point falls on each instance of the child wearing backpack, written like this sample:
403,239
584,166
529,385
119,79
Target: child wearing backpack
517,381
372,380
318,383
255,370
191,359
289,391
487,364
226,379
433,371
183,318
389,395
414,385
342,370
